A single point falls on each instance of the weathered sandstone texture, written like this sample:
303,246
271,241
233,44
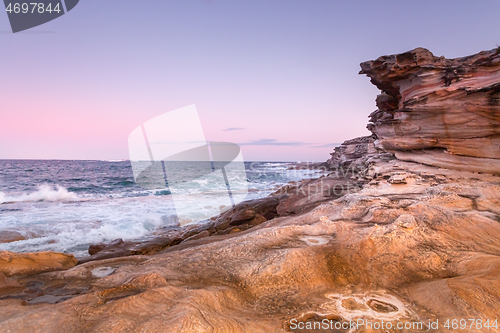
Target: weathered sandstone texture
292,199
438,111
379,238
410,246
34,263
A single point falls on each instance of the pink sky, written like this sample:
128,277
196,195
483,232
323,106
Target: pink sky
284,72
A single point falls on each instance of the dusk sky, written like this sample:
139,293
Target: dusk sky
280,78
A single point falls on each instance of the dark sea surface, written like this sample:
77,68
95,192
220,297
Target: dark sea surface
65,206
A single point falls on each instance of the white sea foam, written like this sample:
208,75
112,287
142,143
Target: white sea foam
79,224
44,193
53,218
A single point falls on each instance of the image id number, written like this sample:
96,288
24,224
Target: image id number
32,7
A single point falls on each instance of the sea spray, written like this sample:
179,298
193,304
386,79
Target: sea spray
44,193
65,206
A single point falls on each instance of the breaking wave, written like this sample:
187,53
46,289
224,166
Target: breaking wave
44,193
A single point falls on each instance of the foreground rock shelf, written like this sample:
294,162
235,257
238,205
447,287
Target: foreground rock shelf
427,247
386,236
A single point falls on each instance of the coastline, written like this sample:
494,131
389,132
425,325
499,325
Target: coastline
66,206
401,230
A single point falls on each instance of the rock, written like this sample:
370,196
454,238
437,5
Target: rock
156,245
438,111
8,285
410,252
243,215
412,241
96,248
34,263
258,219
193,229
406,221
11,236
197,236
398,178
311,193
352,151
249,212
120,248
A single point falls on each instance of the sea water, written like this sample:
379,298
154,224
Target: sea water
65,206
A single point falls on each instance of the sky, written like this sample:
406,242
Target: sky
278,77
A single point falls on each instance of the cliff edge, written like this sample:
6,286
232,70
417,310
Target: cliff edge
438,111
394,235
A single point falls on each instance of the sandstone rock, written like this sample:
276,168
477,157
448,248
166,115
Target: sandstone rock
34,263
413,241
387,252
96,248
197,236
311,193
11,236
437,111
8,285
351,151
249,212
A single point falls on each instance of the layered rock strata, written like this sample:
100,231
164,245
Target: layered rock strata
410,246
34,263
389,240
438,111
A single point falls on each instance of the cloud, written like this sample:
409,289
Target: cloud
273,142
233,129
327,145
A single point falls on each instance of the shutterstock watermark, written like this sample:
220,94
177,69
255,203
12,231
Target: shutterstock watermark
366,324
170,151
26,14
204,179
457,324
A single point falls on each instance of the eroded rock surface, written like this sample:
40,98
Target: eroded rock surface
34,263
381,238
424,248
293,199
438,111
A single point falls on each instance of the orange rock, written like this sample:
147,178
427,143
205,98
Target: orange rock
34,263
438,111
10,236
415,243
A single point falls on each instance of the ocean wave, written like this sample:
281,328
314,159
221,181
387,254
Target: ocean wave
44,193
277,163
75,237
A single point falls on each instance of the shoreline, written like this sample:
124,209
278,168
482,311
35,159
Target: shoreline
74,206
401,231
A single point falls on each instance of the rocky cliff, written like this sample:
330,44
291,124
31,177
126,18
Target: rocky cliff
438,111
393,234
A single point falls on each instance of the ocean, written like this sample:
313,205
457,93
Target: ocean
64,206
